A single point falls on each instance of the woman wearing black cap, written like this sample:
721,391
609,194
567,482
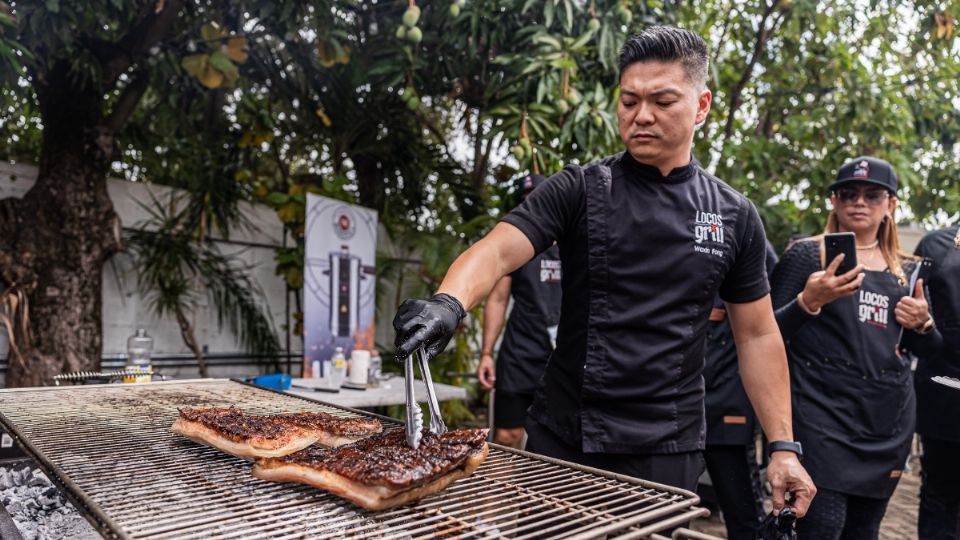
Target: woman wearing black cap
852,391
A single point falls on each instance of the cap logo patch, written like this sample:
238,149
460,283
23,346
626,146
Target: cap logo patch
528,182
862,170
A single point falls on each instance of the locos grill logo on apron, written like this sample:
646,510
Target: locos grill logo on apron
549,271
874,308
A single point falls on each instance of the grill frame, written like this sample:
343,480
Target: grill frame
679,507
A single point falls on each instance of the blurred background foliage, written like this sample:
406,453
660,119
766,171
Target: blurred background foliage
425,110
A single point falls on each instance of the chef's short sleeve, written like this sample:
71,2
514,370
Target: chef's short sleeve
747,279
551,209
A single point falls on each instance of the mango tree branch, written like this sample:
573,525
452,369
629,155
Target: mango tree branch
128,101
759,45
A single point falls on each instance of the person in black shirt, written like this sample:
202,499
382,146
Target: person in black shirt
647,240
528,340
938,406
852,388
730,454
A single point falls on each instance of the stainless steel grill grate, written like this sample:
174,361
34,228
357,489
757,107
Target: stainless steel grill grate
111,449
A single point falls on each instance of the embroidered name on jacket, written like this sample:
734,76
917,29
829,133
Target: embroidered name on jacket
874,308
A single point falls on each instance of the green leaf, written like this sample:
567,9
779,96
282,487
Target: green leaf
548,40
223,64
278,199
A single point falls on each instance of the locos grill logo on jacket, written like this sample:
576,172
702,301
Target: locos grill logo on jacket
707,226
874,308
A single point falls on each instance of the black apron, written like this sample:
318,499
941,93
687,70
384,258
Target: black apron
527,340
853,396
938,406
730,417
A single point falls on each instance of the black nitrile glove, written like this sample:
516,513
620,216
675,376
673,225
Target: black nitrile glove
426,323
780,527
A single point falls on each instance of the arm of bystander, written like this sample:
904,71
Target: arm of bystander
494,313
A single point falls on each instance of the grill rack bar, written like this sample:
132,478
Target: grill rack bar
514,494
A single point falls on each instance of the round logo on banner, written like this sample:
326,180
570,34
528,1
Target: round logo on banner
344,225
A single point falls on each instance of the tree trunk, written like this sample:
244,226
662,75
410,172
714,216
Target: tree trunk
190,338
63,231
369,181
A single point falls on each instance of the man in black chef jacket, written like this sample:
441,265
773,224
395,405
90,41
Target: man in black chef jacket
938,406
647,239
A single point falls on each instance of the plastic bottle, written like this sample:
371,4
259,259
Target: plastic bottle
376,369
338,368
139,347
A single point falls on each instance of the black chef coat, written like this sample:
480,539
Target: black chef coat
938,406
644,255
730,416
527,344
853,399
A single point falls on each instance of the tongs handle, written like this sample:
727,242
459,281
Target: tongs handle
414,427
437,427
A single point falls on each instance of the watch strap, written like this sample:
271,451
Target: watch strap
785,446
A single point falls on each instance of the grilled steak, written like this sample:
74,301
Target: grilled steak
334,431
382,472
247,435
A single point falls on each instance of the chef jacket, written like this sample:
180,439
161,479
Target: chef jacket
644,255
730,416
938,406
853,399
527,340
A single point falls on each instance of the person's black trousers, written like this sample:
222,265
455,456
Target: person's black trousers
940,490
839,516
679,470
735,475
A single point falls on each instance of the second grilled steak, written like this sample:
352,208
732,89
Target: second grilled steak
382,471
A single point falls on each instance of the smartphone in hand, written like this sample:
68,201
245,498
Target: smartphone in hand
837,243
921,272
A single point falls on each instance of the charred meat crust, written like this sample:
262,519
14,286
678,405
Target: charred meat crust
386,460
332,424
235,425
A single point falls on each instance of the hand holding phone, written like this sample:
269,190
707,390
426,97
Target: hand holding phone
840,278
841,243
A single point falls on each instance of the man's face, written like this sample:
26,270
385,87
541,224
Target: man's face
658,110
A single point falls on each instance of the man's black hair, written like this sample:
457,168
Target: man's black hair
668,44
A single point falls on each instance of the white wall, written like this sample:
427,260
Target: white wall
125,309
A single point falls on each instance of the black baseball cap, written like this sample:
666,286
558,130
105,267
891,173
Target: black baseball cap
866,170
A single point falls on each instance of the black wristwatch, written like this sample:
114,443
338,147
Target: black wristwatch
785,446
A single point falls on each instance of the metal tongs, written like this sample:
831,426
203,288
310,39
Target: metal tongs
414,413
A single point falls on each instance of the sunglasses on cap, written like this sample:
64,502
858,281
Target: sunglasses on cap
850,195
